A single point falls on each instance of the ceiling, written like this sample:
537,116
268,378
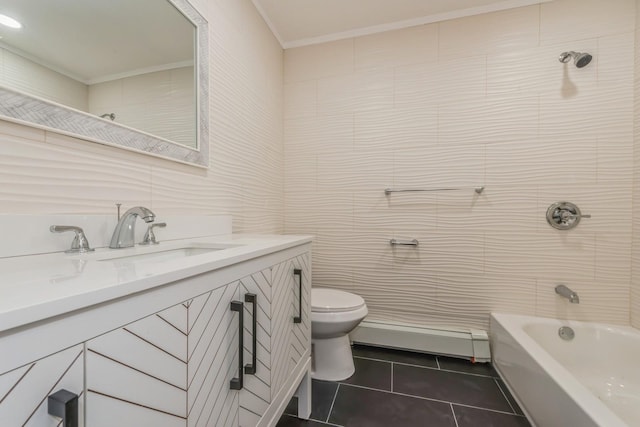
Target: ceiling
97,40
304,22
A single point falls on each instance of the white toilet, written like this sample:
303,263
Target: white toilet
334,314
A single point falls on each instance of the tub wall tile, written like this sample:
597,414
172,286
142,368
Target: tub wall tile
635,242
476,101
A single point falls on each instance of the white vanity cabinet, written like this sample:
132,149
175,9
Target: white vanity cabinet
255,395
283,336
213,348
141,374
136,375
292,324
24,390
228,351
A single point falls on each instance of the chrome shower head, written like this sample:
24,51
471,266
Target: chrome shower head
579,58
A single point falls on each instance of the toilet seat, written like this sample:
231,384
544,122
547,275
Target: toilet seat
325,300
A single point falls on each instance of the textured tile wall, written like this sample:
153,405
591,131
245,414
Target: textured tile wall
42,172
635,264
481,100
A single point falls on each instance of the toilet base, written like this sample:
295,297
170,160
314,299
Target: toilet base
331,359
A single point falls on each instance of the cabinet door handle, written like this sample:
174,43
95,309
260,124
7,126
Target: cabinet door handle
250,368
298,318
236,383
64,404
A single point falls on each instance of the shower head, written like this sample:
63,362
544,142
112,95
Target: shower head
579,58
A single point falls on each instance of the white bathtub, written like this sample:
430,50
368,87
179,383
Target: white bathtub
592,380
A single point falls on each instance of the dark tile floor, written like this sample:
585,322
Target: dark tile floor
399,388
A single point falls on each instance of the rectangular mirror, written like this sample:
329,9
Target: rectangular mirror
126,73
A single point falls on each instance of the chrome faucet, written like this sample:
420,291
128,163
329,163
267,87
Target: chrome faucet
124,234
567,293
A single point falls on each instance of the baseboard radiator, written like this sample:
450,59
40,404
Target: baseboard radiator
472,344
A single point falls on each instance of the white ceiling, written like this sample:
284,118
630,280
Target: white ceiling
96,40
303,22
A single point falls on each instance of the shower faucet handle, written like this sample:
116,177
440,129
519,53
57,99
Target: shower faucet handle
564,215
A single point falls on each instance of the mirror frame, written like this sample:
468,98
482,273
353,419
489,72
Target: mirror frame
37,112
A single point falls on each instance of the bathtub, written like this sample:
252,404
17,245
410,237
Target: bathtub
592,380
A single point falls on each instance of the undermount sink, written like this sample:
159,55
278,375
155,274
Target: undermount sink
160,255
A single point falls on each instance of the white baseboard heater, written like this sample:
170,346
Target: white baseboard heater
472,344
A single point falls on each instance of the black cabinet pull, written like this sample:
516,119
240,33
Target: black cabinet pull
298,318
250,368
64,404
237,383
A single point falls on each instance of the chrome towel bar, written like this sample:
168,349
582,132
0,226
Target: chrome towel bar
388,191
396,242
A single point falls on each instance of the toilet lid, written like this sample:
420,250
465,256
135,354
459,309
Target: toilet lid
333,300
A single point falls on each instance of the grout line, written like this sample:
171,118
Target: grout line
454,414
429,367
392,377
333,402
311,419
505,396
429,399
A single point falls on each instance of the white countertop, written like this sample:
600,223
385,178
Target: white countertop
38,287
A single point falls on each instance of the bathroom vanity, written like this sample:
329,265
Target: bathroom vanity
196,332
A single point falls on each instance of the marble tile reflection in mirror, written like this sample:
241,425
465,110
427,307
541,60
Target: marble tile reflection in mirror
133,74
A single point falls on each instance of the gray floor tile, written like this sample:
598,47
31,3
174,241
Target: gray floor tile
292,421
453,387
392,355
371,373
322,394
512,401
471,417
360,407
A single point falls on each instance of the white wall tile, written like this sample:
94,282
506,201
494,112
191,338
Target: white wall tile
398,128
41,177
300,99
389,216
613,258
508,208
608,204
568,20
470,300
400,47
318,61
448,81
598,303
518,72
319,134
354,171
635,235
507,30
495,108
442,166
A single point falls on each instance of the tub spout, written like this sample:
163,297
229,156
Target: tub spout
567,293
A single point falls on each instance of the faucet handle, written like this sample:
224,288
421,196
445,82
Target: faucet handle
80,243
149,236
